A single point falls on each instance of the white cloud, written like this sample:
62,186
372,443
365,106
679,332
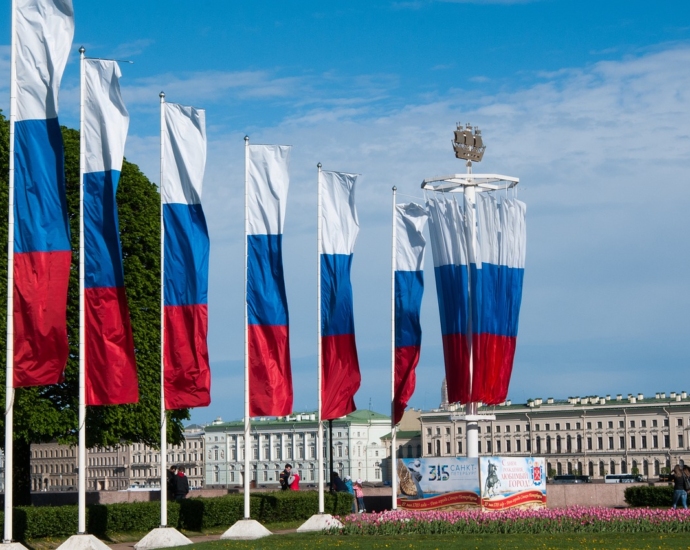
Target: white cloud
602,155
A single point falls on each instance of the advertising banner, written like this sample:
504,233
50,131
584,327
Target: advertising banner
509,482
450,483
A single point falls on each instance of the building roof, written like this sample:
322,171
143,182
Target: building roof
404,435
304,420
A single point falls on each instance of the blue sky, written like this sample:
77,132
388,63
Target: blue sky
587,102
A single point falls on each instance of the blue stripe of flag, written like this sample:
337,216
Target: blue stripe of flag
266,298
337,316
186,255
409,288
103,254
40,208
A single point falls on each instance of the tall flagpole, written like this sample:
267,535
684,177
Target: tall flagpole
319,372
82,333
164,422
394,453
9,370
247,422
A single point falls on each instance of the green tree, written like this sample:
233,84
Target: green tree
50,413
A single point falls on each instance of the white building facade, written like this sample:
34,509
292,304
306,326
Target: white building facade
357,448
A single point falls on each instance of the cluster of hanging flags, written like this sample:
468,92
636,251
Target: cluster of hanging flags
478,252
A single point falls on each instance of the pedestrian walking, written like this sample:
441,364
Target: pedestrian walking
350,489
284,476
181,484
359,493
681,486
171,473
293,480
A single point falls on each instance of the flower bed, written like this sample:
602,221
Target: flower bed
576,519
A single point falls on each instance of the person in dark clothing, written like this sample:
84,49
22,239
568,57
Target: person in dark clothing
680,494
337,484
284,476
181,484
171,481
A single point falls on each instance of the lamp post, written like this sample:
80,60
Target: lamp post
468,145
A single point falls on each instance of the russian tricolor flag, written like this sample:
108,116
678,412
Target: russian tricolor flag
42,252
339,227
410,220
497,278
490,269
111,372
186,251
447,228
270,376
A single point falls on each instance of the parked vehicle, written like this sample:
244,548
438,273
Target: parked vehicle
622,478
571,478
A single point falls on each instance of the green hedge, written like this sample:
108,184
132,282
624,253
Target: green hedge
193,514
649,495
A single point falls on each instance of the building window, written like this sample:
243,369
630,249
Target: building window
610,442
680,441
632,442
655,442
518,443
579,443
600,443
643,423
538,445
459,430
548,444
621,424
508,429
578,426
536,427
508,446
665,422
548,427
654,424
528,444
644,441
459,447
558,426
447,430
479,429
488,429
438,448
567,425
447,447
428,431
610,423
517,428
599,425
479,447
527,427
589,443
498,429
488,447
438,430
558,444
621,442
589,425
498,445
569,444
428,448
667,441
632,423
680,421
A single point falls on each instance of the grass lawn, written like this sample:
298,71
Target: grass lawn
451,542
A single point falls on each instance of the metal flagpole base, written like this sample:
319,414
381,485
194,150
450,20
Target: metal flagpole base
12,546
82,542
246,529
162,537
319,522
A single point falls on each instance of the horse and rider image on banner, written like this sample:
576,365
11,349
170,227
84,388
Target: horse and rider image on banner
454,483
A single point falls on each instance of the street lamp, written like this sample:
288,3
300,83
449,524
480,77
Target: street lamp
468,145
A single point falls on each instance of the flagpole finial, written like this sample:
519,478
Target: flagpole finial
394,189
82,50
161,95
246,138
319,166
